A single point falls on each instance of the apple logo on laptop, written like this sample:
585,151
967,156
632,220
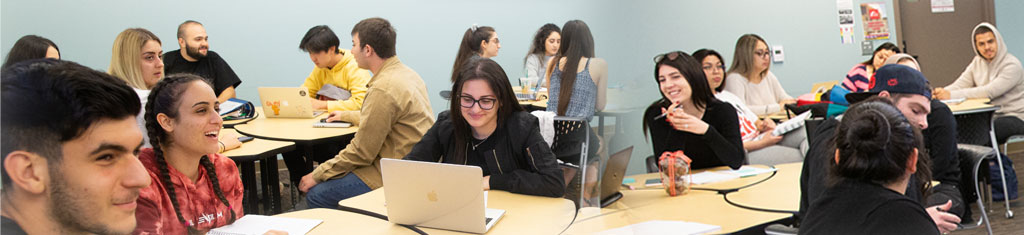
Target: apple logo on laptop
432,196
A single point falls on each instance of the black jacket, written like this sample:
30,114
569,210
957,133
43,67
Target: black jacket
521,162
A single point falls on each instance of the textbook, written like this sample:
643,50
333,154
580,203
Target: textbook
260,224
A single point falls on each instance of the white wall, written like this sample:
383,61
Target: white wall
260,38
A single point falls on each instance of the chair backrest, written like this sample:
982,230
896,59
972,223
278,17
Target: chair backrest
970,131
571,146
652,164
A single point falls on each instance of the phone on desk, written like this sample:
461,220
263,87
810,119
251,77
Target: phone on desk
323,123
244,139
653,182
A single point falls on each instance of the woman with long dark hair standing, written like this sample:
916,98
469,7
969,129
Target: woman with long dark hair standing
577,80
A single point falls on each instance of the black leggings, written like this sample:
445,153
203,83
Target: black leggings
1007,126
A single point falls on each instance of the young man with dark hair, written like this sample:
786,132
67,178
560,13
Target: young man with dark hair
195,57
71,167
336,74
995,74
395,115
910,92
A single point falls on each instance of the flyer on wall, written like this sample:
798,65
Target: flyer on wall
876,23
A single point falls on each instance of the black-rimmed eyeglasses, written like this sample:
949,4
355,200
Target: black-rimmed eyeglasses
484,103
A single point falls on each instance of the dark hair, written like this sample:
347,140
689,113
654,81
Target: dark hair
29,47
884,46
538,47
320,38
378,33
489,71
181,27
981,30
875,141
700,92
165,98
577,42
47,102
470,45
699,55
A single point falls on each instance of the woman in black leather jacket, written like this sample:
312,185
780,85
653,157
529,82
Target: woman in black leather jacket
490,130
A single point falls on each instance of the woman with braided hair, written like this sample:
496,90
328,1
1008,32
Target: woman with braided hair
194,189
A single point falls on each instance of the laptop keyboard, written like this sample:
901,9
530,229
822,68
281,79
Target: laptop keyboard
522,96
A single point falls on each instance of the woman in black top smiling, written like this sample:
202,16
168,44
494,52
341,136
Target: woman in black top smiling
705,128
490,130
876,152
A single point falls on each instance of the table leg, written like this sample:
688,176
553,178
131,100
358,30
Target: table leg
274,178
265,173
249,184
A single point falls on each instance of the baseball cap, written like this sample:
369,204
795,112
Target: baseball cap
896,79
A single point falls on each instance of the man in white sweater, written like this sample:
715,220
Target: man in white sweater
995,74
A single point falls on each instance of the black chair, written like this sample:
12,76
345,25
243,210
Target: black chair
652,164
972,158
571,147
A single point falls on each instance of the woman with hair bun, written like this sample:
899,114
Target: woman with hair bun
877,151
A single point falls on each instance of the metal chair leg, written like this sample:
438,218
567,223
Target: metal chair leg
999,159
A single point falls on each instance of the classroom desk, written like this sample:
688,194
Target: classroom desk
298,130
974,126
245,157
540,104
644,204
524,214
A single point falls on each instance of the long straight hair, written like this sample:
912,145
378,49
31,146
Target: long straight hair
165,98
700,91
29,47
489,71
124,57
577,42
743,56
470,45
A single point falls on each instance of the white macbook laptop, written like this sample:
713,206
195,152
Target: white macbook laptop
286,102
451,198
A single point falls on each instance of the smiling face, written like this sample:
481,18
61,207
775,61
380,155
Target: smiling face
551,43
476,115
96,184
151,63
195,43
198,123
713,70
673,84
762,56
986,45
489,48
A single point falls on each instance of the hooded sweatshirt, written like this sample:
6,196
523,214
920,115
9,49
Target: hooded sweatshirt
1000,79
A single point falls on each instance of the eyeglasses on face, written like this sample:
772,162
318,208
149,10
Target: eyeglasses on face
484,103
762,53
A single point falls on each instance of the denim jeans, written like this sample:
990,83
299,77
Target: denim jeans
327,194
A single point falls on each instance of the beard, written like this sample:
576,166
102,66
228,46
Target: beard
194,51
73,212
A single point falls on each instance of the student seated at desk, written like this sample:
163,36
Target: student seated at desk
477,42
995,74
489,129
876,154
194,188
859,77
544,46
69,144
750,79
31,47
761,145
705,128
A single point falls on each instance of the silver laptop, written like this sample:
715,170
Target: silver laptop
286,102
614,171
451,198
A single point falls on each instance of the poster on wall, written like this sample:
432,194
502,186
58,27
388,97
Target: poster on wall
876,23
939,6
845,10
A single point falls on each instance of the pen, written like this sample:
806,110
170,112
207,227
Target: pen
630,187
666,113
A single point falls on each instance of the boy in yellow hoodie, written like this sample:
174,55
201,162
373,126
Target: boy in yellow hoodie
334,66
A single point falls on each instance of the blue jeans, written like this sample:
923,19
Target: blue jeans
327,194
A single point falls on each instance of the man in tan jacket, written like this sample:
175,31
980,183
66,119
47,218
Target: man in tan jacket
395,115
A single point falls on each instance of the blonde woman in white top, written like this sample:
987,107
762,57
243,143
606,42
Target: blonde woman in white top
750,80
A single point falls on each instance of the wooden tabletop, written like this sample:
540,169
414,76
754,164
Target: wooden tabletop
524,214
540,103
255,147
971,106
653,203
290,129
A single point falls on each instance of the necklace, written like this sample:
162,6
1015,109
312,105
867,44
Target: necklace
481,142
